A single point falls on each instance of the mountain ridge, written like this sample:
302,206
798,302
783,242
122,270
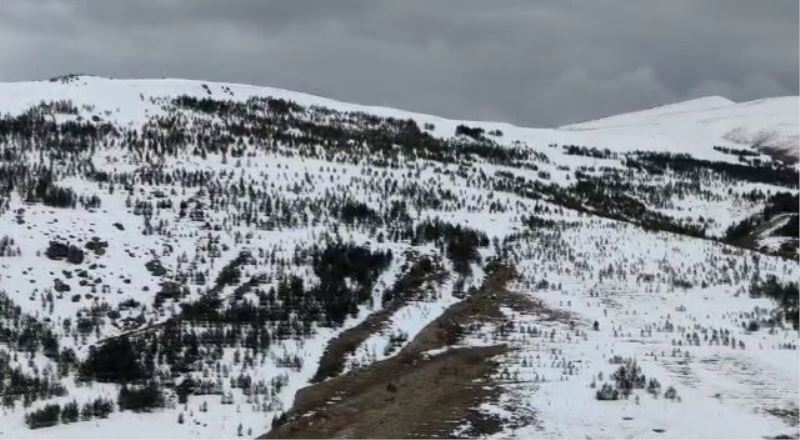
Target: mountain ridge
775,118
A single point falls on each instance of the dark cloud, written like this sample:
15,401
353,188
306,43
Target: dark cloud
529,62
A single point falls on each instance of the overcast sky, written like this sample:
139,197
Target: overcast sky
537,63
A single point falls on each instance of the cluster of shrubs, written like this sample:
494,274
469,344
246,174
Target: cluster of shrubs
8,247
71,412
627,378
59,251
337,263
118,359
352,212
772,173
473,132
785,294
736,151
141,398
594,152
460,243
51,194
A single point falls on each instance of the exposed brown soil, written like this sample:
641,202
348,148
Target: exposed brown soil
333,358
483,305
401,397
413,395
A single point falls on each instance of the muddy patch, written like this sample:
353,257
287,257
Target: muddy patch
415,394
401,397
423,272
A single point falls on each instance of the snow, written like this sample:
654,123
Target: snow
725,391
713,120
693,126
640,304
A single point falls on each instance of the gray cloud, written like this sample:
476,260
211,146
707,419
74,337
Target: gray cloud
528,62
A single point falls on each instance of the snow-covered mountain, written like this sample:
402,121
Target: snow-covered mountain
194,259
770,124
693,126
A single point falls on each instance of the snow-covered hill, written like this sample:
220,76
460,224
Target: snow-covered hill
205,260
770,124
692,127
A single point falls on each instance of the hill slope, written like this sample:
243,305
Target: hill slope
687,127
771,124
205,260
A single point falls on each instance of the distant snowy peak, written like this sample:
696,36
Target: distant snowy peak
771,124
648,115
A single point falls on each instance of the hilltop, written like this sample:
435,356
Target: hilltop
204,260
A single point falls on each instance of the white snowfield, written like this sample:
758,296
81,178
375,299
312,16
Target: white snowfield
678,305
692,127
712,120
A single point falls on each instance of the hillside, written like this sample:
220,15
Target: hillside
205,260
687,127
770,125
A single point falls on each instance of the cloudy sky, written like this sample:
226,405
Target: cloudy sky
538,63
